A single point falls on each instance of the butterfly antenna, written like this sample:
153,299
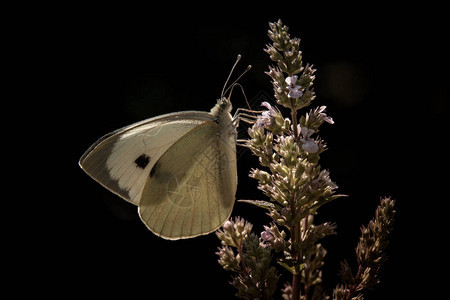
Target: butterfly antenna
229,75
242,90
235,82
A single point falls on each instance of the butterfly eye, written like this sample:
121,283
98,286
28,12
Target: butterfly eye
223,103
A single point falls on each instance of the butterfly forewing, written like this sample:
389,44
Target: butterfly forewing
122,160
190,191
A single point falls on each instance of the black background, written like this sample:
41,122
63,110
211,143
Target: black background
380,72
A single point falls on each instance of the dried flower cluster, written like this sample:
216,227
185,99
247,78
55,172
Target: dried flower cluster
370,254
289,149
242,253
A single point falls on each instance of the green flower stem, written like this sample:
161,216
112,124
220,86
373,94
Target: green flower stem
294,124
305,225
297,276
296,281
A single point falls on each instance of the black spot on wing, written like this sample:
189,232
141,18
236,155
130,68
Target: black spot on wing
142,161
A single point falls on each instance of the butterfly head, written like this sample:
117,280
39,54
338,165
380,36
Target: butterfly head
222,107
225,104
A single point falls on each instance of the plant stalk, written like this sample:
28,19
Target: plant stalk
294,124
297,276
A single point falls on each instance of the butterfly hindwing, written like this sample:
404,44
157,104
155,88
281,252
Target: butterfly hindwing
190,190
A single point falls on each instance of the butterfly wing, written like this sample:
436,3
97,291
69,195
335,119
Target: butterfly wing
121,160
190,191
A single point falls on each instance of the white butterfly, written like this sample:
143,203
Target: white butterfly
178,168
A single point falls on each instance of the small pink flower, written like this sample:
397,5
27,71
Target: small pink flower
291,80
294,89
324,116
266,235
267,117
309,145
